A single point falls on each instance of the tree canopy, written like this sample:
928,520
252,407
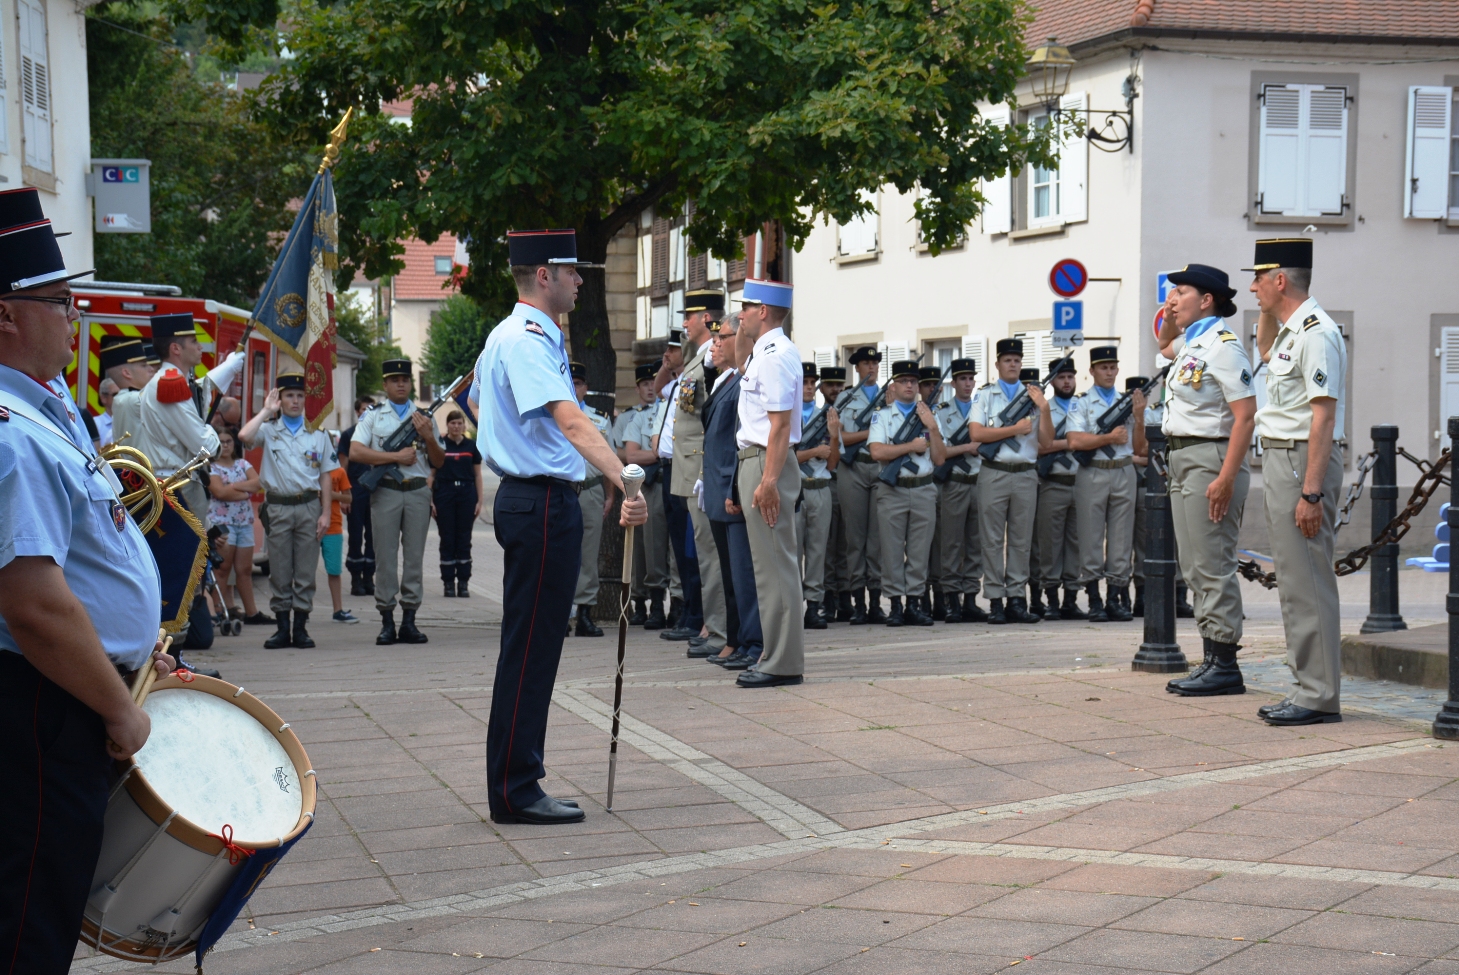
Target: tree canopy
582,113
458,332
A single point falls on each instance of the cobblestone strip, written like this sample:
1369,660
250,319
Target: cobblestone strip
780,812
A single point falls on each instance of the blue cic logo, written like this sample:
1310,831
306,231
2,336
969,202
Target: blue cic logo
121,174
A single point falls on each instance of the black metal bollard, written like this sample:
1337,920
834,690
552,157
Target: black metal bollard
1159,654
1446,723
1383,615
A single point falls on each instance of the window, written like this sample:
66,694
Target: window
859,238
890,352
4,99
825,356
35,84
1431,153
998,191
443,265
975,347
659,255
1059,196
1303,146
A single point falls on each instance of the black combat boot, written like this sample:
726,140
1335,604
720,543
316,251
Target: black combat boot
638,615
858,612
895,617
1183,608
1117,607
939,608
917,614
1051,611
1070,610
1201,668
585,624
1096,605
874,612
655,619
463,591
282,637
1223,676
813,620
450,589
369,580
996,615
1035,600
408,632
357,583
954,608
302,640
843,607
972,612
1017,611
387,636
1139,608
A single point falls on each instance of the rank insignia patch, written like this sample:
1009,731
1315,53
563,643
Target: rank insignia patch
1309,322
1246,377
1320,378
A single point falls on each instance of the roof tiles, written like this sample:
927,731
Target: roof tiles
419,280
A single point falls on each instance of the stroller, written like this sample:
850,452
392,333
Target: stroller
223,621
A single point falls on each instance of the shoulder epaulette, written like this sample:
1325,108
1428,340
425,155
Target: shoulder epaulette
1228,336
1310,321
985,386
534,328
172,387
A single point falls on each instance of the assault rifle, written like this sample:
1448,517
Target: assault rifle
1047,461
1021,407
911,427
943,471
818,429
1117,415
404,436
864,417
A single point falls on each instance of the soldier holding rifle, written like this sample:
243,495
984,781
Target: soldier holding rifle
957,500
855,483
1057,525
817,456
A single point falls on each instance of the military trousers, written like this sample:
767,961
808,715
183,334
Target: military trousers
962,552
681,539
855,482
1105,503
711,579
1006,506
1056,532
1206,551
934,550
813,531
400,520
293,555
905,517
591,500
655,540
361,557
1306,581
776,555
835,579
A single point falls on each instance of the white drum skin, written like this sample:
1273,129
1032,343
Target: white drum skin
224,754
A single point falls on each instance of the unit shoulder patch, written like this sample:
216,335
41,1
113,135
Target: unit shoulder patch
1246,377
1320,378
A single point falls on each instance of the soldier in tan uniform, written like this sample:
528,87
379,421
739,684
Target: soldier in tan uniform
813,518
1056,526
1302,472
1209,417
855,482
595,497
628,420
837,606
957,502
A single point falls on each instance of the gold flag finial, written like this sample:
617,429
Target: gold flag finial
336,139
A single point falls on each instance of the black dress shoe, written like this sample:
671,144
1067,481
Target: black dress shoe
585,625
1294,715
1267,709
698,650
739,660
546,811
678,634
754,678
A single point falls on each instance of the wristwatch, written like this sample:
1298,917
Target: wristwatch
1313,498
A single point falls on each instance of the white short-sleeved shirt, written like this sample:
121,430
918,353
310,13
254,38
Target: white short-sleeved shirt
1308,361
604,427
292,462
620,425
771,384
988,402
951,418
1084,417
376,425
523,368
1210,373
886,423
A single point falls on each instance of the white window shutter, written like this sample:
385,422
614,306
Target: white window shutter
998,210
859,235
1326,151
825,356
1427,194
1074,160
4,95
975,347
1449,381
884,368
35,84
1281,135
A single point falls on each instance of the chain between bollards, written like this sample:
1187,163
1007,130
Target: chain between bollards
1446,723
1383,614
1159,654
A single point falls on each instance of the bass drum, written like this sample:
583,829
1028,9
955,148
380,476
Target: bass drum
220,777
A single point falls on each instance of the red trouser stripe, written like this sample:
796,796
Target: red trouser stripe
522,677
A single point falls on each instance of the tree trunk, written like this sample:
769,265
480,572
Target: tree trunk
592,339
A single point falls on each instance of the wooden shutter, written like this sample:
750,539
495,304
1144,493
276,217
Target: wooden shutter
975,347
998,210
35,84
696,276
1280,135
1074,159
659,255
1426,195
739,269
1326,162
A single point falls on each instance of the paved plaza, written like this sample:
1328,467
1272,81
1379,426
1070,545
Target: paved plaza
950,799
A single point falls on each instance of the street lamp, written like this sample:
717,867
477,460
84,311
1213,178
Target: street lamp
1048,70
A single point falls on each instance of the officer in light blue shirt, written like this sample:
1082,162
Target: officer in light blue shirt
537,437
80,602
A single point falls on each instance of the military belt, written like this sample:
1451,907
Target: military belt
1267,443
409,484
1180,443
1015,468
815,483
590,483
541,480
865,458
911,482
290,499
1065,479
754,450
958,477
1111,465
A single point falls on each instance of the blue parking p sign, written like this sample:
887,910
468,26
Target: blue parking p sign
1068,316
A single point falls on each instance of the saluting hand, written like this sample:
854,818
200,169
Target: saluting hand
271,403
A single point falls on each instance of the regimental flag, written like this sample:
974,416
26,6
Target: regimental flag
180,548
296,307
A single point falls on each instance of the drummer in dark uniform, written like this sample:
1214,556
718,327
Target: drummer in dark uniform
538,438
79,609
456,503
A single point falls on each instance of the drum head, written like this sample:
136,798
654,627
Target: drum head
215,764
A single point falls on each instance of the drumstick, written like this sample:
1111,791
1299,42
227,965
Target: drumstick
146,679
